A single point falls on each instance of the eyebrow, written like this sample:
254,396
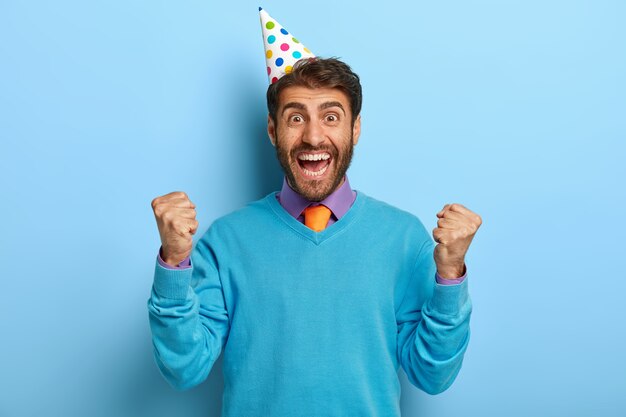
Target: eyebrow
293,105
325,105
331,104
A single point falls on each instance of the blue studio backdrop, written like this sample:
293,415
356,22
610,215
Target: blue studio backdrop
516,109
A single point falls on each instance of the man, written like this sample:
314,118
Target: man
317,293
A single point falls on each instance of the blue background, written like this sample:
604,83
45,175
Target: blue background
516,109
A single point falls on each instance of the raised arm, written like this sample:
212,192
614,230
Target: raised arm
187,314
433,319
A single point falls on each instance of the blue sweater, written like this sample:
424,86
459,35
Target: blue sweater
311,324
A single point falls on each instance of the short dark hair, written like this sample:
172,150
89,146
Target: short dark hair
318,72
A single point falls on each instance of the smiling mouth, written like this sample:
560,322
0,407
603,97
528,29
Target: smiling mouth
314,164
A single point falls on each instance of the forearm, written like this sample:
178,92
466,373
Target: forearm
183,347
435,353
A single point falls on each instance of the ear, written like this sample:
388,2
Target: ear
271,130
356,130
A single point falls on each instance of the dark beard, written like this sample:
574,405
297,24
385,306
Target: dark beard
341,160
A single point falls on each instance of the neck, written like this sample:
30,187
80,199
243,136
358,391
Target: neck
343,179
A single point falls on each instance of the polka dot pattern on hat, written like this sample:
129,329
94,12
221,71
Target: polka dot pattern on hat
282,49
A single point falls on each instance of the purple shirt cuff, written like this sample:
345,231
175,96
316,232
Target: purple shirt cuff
451,281
184,264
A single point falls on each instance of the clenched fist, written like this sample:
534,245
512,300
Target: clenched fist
176,218
454,233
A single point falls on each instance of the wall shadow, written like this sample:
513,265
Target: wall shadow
144,391
264,171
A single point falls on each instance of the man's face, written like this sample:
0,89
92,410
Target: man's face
314,136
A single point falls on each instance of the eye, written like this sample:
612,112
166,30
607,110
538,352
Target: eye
331,117
295,118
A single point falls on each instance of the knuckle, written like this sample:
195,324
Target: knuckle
178,224
167,215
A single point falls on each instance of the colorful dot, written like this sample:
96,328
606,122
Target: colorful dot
296,54
288,69
307,50
295,40
269,25
271,39
269,70
284,47
274,80
284,32
268,54
279,62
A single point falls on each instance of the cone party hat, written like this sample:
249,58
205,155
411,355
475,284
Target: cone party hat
282,49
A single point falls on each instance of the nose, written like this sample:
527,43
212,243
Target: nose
314,134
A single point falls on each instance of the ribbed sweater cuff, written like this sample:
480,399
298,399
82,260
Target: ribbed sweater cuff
172,283
450,299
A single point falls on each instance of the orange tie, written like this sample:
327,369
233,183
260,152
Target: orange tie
316,217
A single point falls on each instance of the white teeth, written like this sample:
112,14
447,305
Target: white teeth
316,173
313,157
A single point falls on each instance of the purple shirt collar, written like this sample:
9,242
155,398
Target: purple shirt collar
339,202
